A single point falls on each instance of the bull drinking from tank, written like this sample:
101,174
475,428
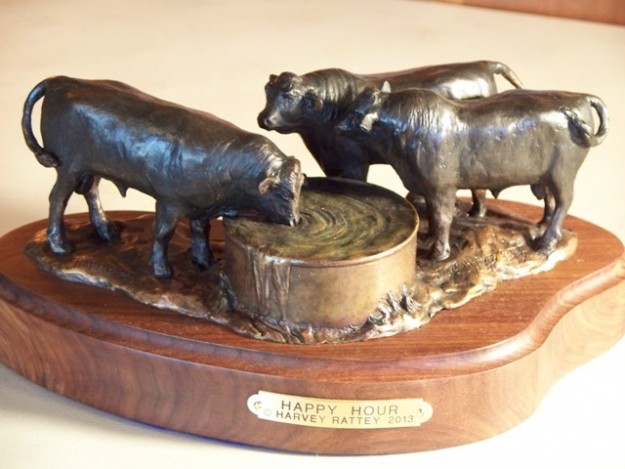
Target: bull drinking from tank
194,164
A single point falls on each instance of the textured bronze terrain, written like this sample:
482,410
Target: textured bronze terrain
485,251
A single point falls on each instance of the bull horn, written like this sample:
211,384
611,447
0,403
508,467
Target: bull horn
367,122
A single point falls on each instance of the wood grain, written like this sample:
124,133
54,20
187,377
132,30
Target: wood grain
603,11
483,367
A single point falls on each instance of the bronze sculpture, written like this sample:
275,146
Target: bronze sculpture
519,137
312,104
194,164
346,272
198,166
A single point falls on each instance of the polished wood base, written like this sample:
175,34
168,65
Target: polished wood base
482,368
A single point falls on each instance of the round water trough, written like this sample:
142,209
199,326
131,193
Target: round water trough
355,244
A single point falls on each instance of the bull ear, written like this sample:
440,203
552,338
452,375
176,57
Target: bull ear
273,78
267,184
312,101
297,165
386,87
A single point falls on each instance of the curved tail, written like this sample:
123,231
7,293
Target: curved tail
45,158
583,130
506,72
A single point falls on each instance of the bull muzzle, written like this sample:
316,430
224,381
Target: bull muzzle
265,121
289,219
294,220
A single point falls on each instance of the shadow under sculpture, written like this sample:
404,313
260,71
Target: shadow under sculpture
254,283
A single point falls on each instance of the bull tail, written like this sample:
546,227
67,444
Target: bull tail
583,130
44,157
506,72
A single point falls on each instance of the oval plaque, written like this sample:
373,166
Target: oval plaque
335,413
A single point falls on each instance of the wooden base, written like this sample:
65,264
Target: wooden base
481,369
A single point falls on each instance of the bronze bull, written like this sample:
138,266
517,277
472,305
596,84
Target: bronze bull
194,164
438,145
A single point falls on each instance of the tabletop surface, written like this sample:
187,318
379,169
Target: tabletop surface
217,56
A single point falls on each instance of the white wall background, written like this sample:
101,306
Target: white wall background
216,56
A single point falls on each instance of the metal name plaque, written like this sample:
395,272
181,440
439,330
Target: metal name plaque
332,413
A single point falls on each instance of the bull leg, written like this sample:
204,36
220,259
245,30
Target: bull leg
165,221
104,227
541,192
440,214
478,209
550,207
60,194
201,254
563,196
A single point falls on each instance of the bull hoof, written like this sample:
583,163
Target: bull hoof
440,254
162,270
107,231
477,212
546,250
60,247
204,262
546,247
163,273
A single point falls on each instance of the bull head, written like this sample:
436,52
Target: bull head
280,192
363,113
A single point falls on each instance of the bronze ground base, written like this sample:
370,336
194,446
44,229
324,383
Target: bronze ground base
486,251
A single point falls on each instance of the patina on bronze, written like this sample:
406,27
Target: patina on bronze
312,104
194,164
519,137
